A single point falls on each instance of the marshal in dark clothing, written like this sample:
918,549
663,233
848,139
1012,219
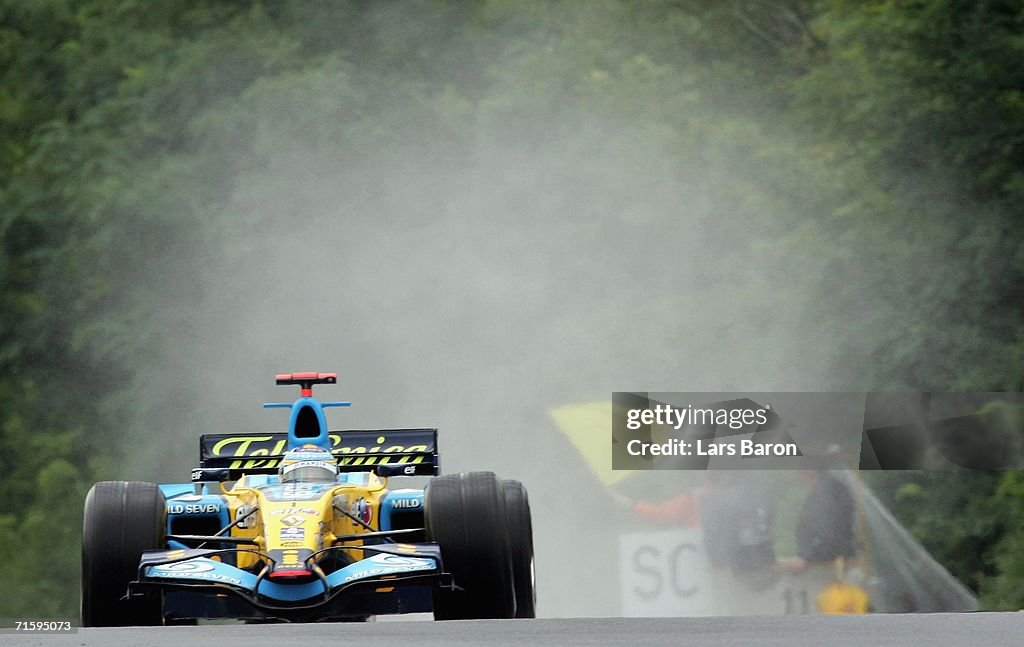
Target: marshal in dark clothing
825,531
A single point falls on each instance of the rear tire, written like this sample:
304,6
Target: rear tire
122,519
520,534
465,514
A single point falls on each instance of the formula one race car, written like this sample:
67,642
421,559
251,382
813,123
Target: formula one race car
301,526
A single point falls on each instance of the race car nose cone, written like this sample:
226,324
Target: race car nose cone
292,573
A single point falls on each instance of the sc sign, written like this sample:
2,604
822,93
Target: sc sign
665,574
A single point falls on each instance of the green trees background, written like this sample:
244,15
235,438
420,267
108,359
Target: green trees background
887,137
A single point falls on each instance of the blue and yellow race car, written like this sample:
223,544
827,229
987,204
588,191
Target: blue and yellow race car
301,526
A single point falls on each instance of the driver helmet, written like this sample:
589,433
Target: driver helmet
309,463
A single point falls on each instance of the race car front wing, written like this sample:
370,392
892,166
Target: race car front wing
197,583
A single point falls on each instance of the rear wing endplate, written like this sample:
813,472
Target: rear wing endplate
387,452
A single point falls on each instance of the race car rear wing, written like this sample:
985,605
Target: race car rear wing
388,452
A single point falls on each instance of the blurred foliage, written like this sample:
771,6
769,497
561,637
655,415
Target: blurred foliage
890,134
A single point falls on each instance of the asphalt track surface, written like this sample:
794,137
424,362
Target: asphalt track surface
974,629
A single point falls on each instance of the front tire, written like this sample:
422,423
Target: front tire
122,519
520,533
465,515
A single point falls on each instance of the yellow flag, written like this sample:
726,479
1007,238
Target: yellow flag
589,428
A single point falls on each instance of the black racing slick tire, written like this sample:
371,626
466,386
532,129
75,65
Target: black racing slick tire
465,515
520,535
122,519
